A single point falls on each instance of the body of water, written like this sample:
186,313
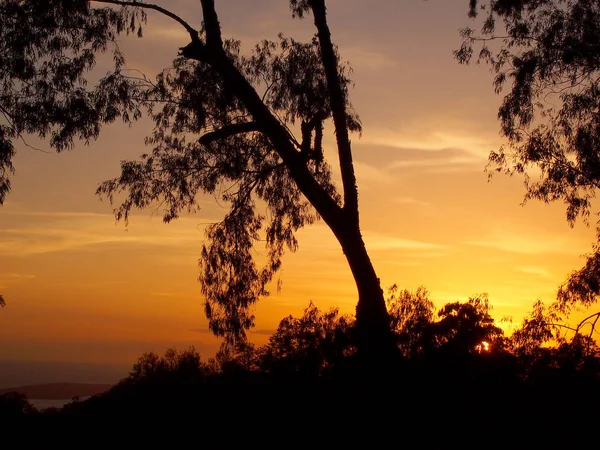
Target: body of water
41,404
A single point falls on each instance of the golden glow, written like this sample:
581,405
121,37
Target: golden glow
79,287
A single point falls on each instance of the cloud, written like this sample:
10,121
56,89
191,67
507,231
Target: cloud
445,159
12,278
410,201
527,244
387,161
368,59
171,32
38,233
366,173
376,241
320,236
535,270
430,139
201,330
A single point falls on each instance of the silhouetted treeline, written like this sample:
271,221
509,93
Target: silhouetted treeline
456,380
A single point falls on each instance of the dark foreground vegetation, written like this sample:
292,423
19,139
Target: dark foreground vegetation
456,381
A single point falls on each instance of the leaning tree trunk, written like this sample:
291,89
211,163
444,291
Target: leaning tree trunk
373,332
374,337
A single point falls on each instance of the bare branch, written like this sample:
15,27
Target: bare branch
138,4
211,25
279,135
338,108
228,131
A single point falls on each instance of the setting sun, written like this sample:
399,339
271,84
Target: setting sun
483,347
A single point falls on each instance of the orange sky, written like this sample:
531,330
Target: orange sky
81,288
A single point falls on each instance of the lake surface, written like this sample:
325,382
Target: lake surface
41,404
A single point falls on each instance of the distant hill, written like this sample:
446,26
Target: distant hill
56,391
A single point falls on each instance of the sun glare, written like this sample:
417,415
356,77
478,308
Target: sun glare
484,346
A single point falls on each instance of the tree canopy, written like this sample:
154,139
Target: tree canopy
244,126
548,53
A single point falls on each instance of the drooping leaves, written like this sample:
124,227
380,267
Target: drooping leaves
411,315
205,141
464,326
48,48
547,52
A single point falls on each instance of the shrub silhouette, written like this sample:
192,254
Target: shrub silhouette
308,378
311,345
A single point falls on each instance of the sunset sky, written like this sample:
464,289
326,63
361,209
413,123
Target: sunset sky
81,288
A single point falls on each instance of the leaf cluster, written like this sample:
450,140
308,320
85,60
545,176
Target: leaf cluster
546,54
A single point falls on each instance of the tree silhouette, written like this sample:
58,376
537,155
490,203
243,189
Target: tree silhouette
310,345
411,315
549,53
463,327
14,406
534,331
290,387
223,122
184,365
241,356
2,302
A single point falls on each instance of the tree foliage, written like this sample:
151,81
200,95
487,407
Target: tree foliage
464,327
295,383
14,406
224,124
411,316
151,367
48,48
321,344
548,53
312,344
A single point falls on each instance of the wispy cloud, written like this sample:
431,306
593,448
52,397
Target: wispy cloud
410,201
368,59
171,32
7,279
445,159
319,236
392,160
201,330
535,270
527,244
367,173
376,241
478,147
37,233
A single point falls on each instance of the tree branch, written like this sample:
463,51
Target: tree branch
338,108
283,143
214,40
228,131
138,4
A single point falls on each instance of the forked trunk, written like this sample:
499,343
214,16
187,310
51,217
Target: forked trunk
374,337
